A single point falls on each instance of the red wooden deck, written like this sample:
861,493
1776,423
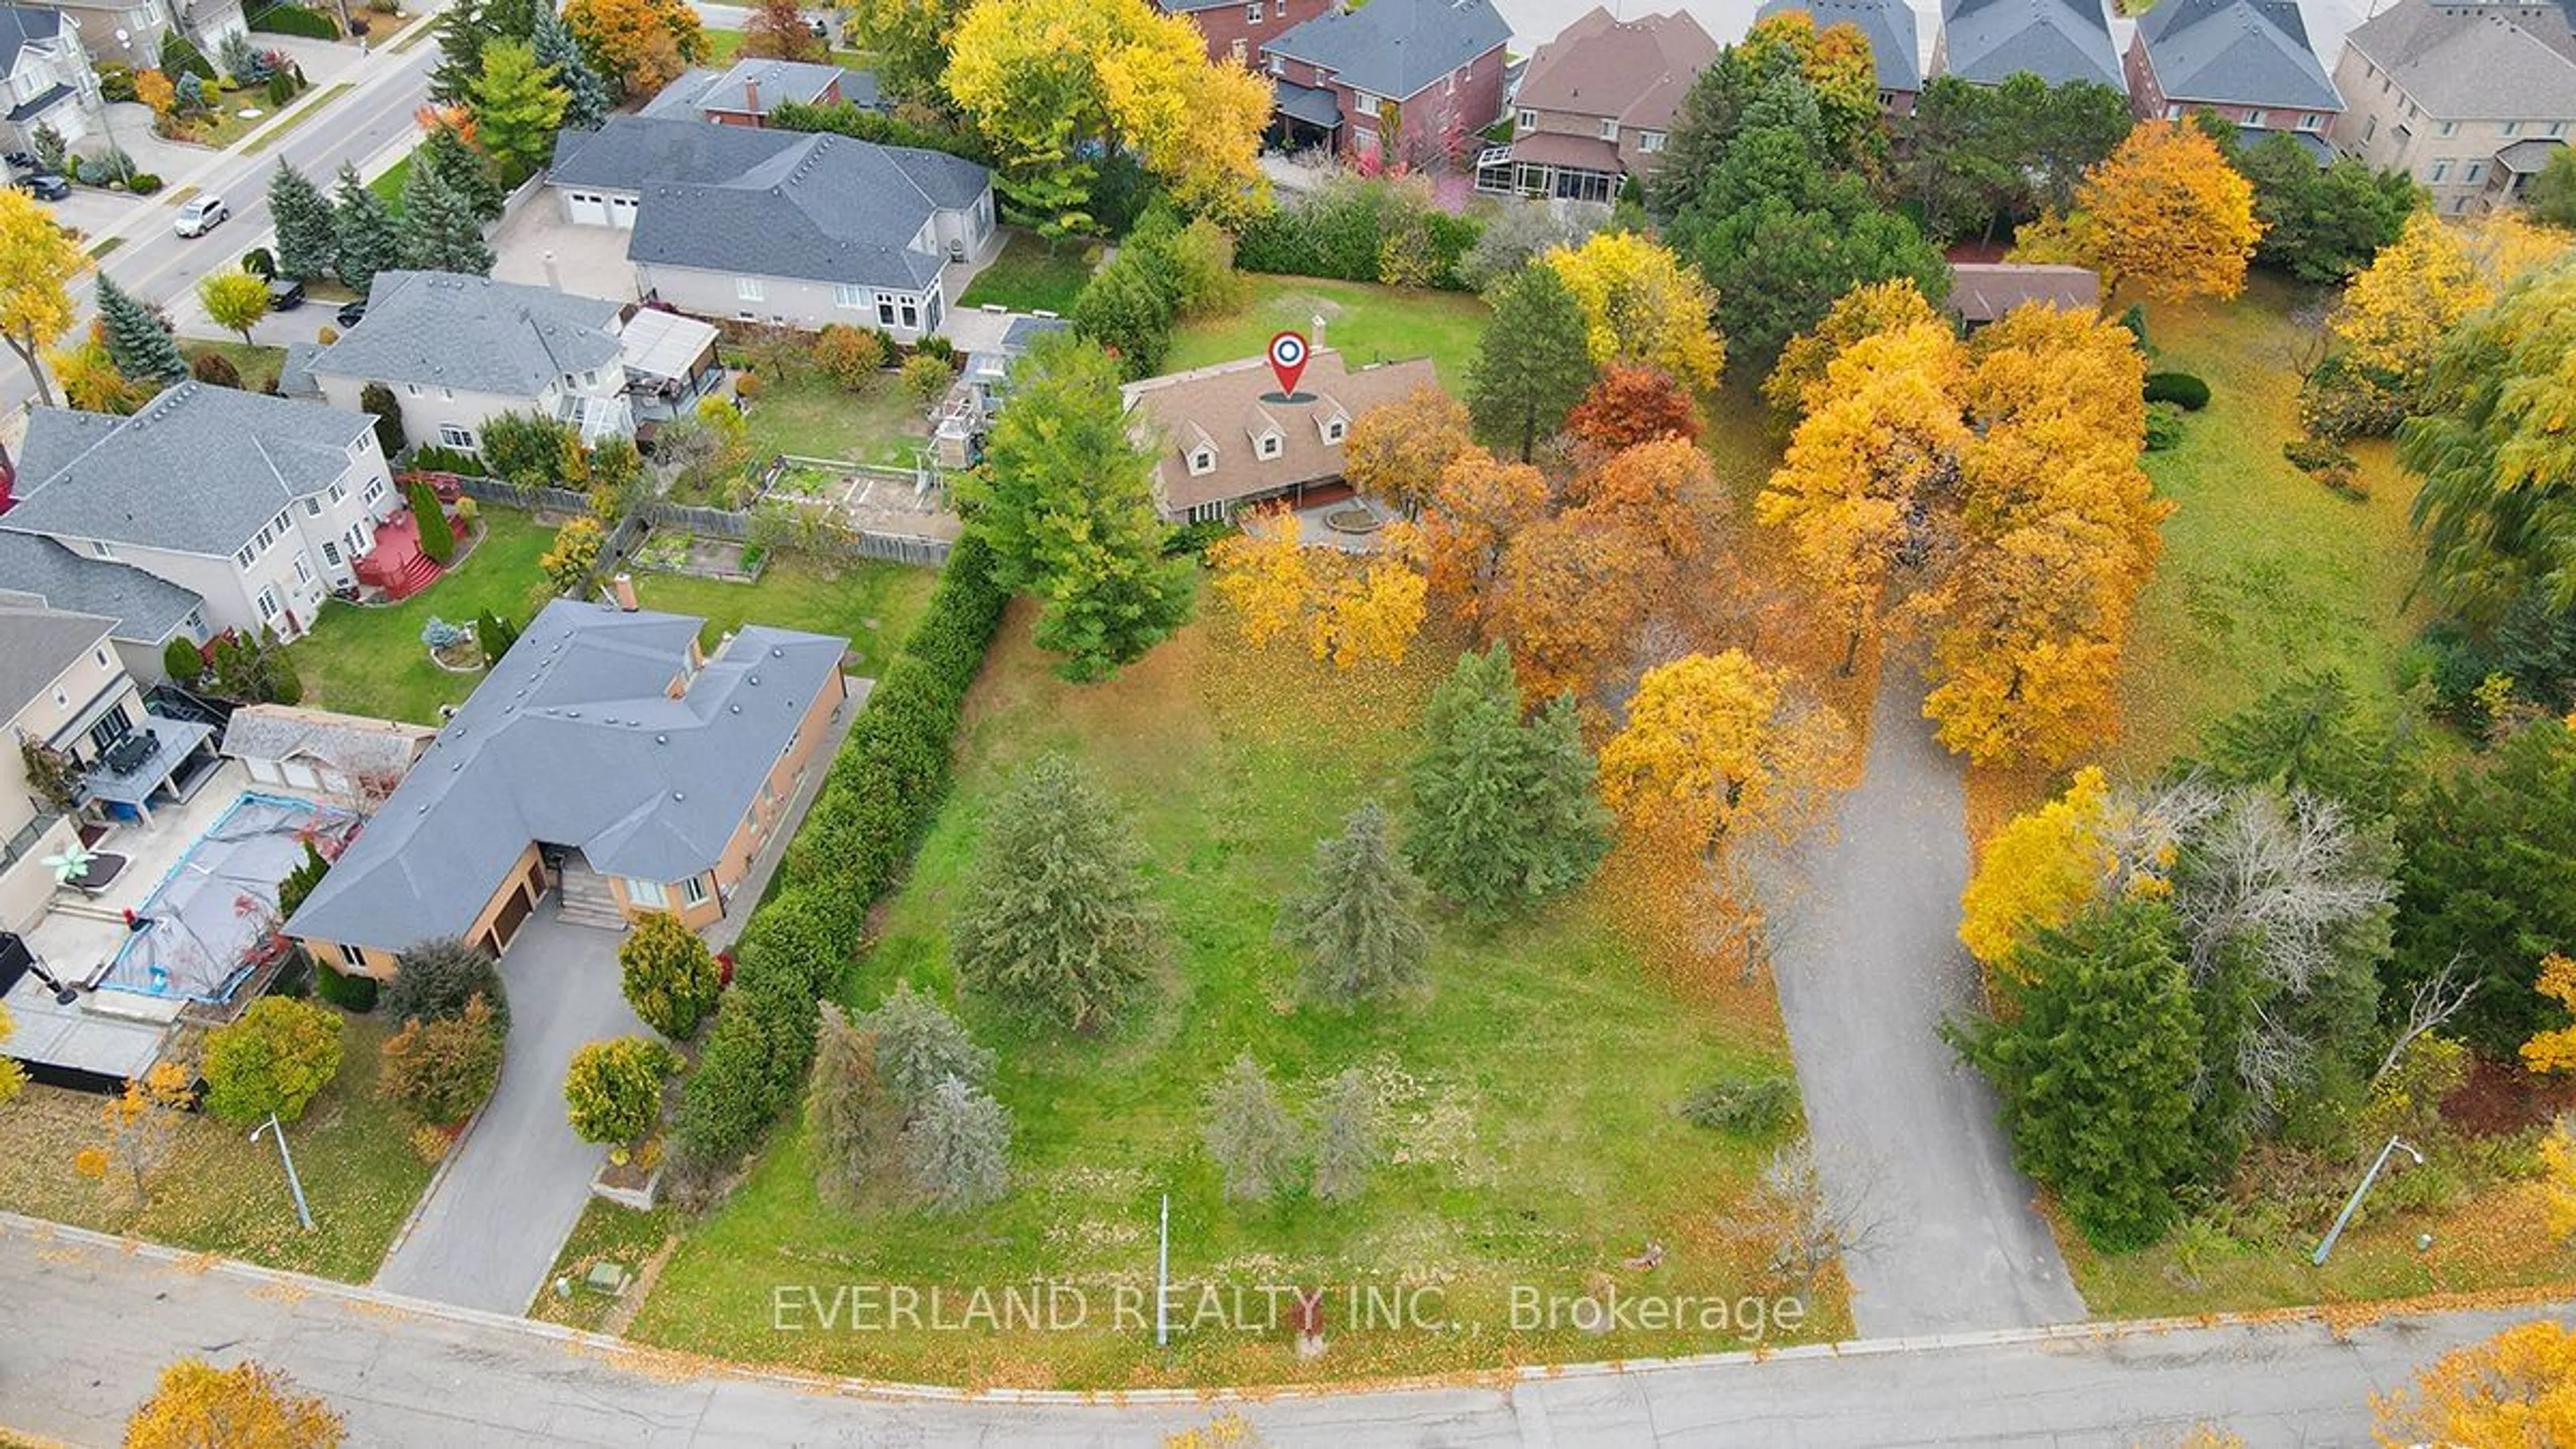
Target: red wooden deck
396,566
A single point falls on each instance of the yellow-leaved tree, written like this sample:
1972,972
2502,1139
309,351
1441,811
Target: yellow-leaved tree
2517,1388
1641,305
2041,870
1350,609
1195,123
1397,450
2558,1180
1873,307
38,261
2165,213
199,1406
2554,1050
1718,747
1263,573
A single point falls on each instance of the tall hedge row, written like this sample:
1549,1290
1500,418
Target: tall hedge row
879,796
1361,230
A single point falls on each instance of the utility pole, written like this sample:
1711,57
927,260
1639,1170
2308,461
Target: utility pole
2353,1203
294,1184
1163,1279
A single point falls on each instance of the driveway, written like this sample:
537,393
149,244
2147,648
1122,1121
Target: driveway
1868,962
539,248
495,1218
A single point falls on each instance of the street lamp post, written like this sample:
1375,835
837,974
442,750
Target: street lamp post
1163,1278
294,1184
2353,1203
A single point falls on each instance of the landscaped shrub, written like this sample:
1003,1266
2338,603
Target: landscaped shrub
180,56
180,658
668,973
437,539
2164,426
259,262
531,451
613,1089
143,183
297,886
878,796
431,458
434,980
1344,229
850,356
378,401
2179,388
273,1061
116,81
2135,321
441,1071
355,994
2329,462
295,20
1751,1105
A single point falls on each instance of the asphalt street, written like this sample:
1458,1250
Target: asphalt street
96,1319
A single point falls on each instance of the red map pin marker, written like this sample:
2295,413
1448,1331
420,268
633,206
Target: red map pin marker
1288,360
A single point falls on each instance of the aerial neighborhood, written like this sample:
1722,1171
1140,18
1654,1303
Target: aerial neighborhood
1036,699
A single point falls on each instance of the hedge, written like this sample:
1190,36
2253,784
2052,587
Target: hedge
349,993
2179,388
878,797
295,20
1346,231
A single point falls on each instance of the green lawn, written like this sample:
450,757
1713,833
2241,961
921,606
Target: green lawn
811,416
369,659
222,1193
1529,1095
257,365
724,45
2264,571
1365,323
1031,276
607,1233
389,187
873,605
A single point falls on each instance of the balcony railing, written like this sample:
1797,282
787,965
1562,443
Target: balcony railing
19,845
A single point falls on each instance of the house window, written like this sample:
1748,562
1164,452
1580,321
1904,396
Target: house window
1252,13
647,894
911,313
2440,173
413,388
2558,128
2369,128
267,604
748,289
854,299
112,726
2477,172
339,491
452,436
303,570
2513,128
1237,48
375,490
2173,110
1209,512
885,311
331,552
102,550
1279,8
447,394
1528,120
1333,430
279,522
1269,445
2255,116
195,624
1650,142
352,957
1202,463
101,656
694,890
2312,121
313,508
2446,128
243,558
1609,128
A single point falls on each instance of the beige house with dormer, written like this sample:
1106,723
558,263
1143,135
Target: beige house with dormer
1225,438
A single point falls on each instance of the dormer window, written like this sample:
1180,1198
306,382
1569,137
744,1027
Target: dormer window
1268,446
1202,462
1333,430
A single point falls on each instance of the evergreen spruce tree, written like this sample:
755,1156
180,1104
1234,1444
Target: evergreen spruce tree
466,170
959,1148
1533,364
1249,1134
2094,1051
465,29
919,1045
1346,1145
586,99
1505,813
139,342
1358,922
856,1124
307,240
1057,919
365,239
439,231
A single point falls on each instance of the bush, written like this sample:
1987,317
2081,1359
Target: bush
1750,1105
442,1071
354,994
295,20
182,661
2179,388
1352,227
2340,401
926,378
749,387
850,356
378,401
669,975
2135,322
613,1089
260,262
435,979
437,539
2329,462
180,56
2164,426
143,183
274,1060
116,81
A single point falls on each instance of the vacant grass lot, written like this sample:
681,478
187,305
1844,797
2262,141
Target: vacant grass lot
368,659
811,416
1365,323
1030,276
221,1192
724,45
1528,1097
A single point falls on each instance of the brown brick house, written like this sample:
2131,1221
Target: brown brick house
2247,60
1394,80
1595,104
1224,438
1236,28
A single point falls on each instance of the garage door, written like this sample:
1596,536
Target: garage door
621,212
302,776
588,208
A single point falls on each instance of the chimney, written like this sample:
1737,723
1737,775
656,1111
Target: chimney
623,586
751,95
552,279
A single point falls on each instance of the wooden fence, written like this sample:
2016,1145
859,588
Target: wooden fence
712,522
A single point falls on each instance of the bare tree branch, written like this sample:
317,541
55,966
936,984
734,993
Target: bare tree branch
2437,999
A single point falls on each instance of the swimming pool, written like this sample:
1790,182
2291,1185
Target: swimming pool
200,931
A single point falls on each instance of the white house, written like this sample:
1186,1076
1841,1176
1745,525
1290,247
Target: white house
48,77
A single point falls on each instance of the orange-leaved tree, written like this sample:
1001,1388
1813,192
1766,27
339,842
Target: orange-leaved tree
1572,594
1396,450
2165,213
1632,404
1664,489
645,42
2517,1388
1718,746
1478,506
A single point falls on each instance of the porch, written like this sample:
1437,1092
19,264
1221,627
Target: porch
396,567
159,763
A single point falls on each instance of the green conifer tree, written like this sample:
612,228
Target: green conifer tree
439,231
1505,812
138,341
1358,922
1057,918
307,240
365,238
586,98
1249,1134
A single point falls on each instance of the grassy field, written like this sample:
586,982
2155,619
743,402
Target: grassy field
2265,572
369,660
607,1233
1366,323
724,45
257,365
811,416
1529,1097
1030,276
222,1193
389,187
873,605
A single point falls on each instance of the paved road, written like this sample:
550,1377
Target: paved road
1868,964
491,1226
99,1318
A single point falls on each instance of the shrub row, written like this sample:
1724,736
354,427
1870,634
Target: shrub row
295,20
882,790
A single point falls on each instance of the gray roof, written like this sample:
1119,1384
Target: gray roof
36,646
2245,52
295,372
2476,63
1989,41
144,607
770,82
1313,105
1889,24
471,332
198,470
1395,48
772,203
572,740
22,26
351,743
2528,157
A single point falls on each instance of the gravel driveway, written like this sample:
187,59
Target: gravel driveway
1868,962
494,1220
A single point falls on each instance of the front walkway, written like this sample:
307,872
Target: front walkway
499,1210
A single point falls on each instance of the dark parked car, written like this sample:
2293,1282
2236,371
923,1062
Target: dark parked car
285,294
351,313
21,161
44,185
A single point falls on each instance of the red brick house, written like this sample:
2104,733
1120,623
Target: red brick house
1236,28
1395,80
2248,60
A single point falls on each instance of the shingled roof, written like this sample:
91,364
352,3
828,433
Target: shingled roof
451,330
573,739
1227,408
2239,52
2476,62
36,646
145,608
1395,48
1990,41
1895,45
1633,70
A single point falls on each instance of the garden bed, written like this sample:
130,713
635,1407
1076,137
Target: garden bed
676,551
